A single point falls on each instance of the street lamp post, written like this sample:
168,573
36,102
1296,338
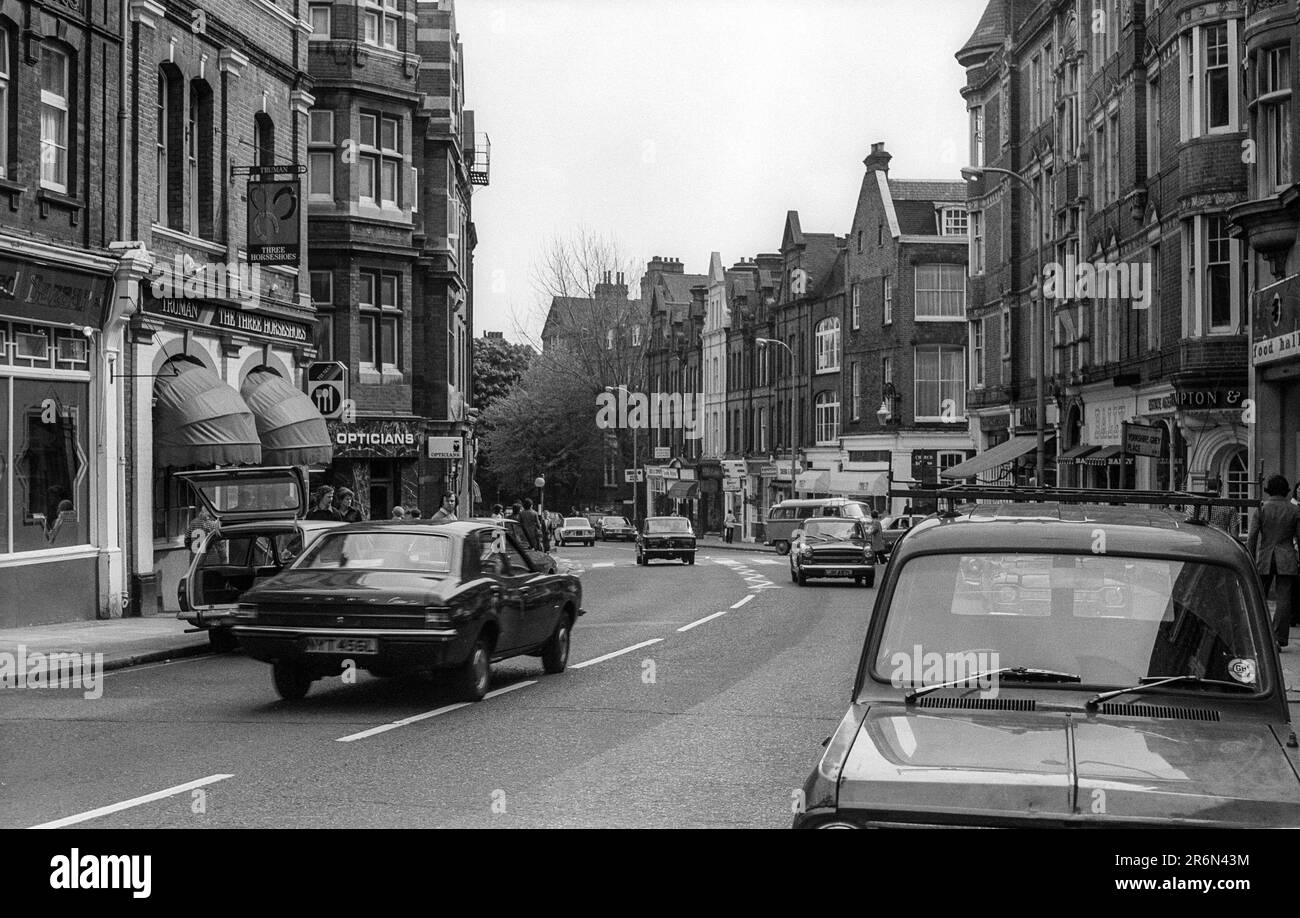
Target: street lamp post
762,342
636,489
971,174
540,483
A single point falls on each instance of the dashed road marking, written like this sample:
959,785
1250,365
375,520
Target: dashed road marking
617,653
134,801
416,718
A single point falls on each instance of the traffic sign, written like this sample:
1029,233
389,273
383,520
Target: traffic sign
663,452
446,448
327,386
634,475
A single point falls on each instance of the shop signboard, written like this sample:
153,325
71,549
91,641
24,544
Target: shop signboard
1142,440
373,439
219,315
33,291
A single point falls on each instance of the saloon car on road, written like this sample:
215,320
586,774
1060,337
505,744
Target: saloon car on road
665,537
398,597
576,529
615,527
1015,675
832,547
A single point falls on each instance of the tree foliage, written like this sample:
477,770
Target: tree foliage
498,366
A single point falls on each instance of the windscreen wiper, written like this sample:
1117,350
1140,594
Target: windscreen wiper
1017,672
1151,682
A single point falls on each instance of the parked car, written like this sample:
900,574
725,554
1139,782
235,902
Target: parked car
832,547
665,537
615,527
784,518
575,529
259,530
542,561
400,597
895,527
1014,675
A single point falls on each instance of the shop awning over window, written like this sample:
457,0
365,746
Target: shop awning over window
814,482
1001,454
199,420
684,490
849,484
1077,453
1104,455
291,429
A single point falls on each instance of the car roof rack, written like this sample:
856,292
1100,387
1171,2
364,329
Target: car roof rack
1021,495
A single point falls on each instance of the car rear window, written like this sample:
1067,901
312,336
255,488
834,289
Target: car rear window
405,551
1112,619
673,525
577,522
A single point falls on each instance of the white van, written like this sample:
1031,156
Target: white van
784,518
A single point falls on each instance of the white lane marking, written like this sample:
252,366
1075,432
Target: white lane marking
707,618
743,601
617,653
603,564
134,801
142,667
415,718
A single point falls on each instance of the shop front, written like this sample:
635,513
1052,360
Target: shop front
1275,362
59,541
216,383
378,460
1216,425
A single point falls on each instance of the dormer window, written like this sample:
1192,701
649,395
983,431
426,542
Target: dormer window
952,221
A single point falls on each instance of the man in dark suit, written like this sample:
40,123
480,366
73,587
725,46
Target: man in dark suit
1274,531
531,523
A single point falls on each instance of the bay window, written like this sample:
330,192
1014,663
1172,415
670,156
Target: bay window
1210,72
1216,275
380,319
1273,119
940,374
320,155
380,160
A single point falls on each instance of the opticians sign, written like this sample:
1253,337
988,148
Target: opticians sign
376,439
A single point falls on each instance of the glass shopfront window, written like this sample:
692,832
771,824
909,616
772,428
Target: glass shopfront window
44,443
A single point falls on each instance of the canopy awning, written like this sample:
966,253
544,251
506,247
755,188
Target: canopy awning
1076,453
815,482
1001,454
292,430
850,483
684,490
1104,455
199,420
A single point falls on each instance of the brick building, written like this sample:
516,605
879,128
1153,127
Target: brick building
905,347
1127,120
62,531
394,158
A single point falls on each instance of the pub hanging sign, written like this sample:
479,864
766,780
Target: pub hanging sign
274,201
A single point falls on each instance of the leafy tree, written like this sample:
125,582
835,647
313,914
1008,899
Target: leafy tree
498,366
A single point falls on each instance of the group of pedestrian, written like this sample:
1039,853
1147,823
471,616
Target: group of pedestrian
537,529
335,505
1274,543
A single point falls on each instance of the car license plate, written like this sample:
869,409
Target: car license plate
342,645
839,572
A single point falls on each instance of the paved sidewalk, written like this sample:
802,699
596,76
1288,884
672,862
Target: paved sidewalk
711,541
122,641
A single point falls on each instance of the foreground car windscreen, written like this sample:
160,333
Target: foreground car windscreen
831,530
398,551
657,526
1111,620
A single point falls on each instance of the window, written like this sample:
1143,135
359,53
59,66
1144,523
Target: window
953,222
380,159
321,153
1153,126
940,383
1070,113
1099,172
762,430
1273,126
977,354
379,24
856,383
828,345
1210,76
856,314
380,319
1006,334
264,139
940,292
169,146
50,484
55,86
1035,90
4,103
200,149
887,286
826,409
976,256
1112,157
318,14
886,369
322,288
1215,277
977,135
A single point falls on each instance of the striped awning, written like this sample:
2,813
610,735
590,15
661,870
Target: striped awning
1076,453
198,420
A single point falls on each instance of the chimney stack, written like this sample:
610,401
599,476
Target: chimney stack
878,160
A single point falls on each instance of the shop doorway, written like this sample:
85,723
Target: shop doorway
383,489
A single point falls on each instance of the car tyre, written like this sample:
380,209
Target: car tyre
869,581
783,548
640,560
801,578
555,653
292,680
690,559
475,675
222,640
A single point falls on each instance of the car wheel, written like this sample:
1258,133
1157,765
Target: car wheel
640,560
292,681
555,653
222,640
801,579
475,675
869,581
783,548
690,559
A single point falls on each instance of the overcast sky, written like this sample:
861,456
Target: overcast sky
681,127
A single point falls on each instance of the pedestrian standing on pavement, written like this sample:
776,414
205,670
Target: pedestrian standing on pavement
346,508
497,515
322,507
447,512
728,527
532,526
1274,531
876,536
399,512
